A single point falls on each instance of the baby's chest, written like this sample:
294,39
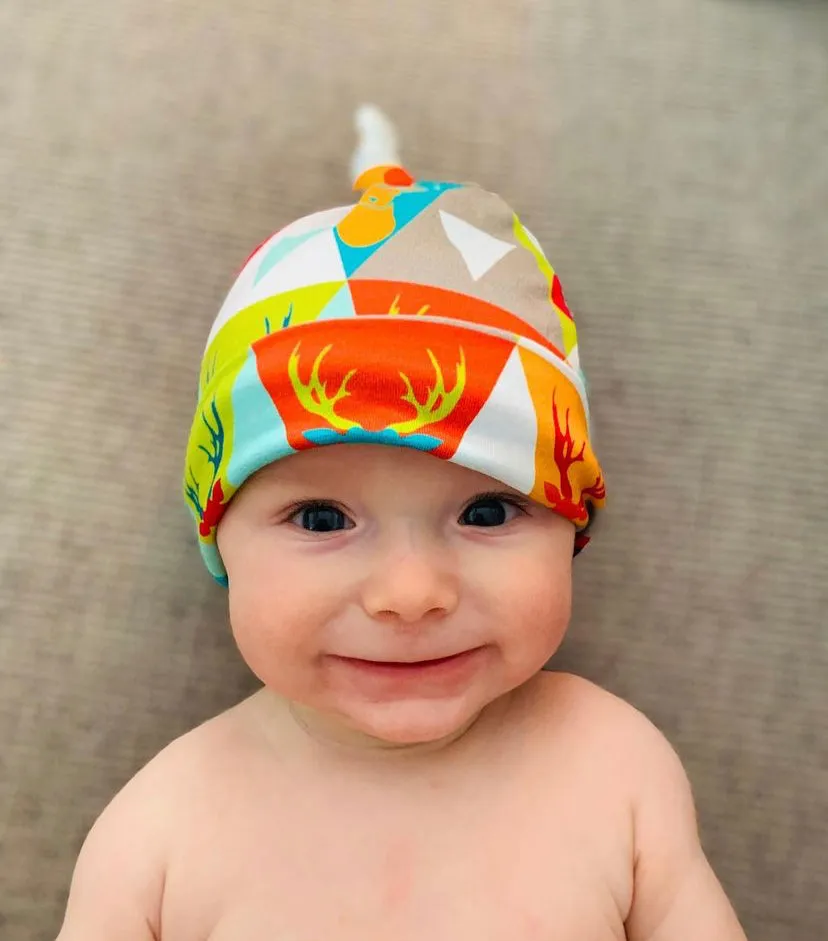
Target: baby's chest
481,879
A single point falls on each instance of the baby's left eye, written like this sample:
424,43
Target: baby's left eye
488,512
321,518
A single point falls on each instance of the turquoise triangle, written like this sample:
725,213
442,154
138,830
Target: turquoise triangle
340,306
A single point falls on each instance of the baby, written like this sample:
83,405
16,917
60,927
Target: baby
390,468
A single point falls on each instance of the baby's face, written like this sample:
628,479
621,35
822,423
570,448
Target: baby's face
352,566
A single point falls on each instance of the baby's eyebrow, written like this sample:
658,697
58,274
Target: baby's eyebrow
302,491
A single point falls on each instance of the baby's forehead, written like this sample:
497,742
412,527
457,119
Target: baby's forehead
373,467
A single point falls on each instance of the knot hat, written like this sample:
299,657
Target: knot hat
426,316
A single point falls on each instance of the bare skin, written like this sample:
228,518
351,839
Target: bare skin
483,799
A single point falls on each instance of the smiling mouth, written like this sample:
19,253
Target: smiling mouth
439,676
408,664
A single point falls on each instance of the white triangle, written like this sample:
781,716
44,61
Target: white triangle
326,219
316,261
480,250
239,295
501,440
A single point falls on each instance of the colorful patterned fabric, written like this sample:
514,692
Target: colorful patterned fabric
426,316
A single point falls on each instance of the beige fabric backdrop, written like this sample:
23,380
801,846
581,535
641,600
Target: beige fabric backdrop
672,157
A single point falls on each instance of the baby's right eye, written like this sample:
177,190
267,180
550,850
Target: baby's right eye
321,518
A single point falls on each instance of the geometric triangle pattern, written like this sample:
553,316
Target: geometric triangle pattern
279,250
340,306
479,250
508,417
239,295
381,213
311,259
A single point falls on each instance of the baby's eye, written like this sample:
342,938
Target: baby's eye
321,518
489,511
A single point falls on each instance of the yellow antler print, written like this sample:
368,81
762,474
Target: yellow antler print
314,396
439,402
394,309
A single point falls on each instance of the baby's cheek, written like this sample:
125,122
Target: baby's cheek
541,603
542,578
258,623
269,655
278,626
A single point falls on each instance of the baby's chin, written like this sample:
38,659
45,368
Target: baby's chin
400,725
412,723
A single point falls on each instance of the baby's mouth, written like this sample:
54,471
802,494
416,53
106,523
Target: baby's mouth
436,677
408,664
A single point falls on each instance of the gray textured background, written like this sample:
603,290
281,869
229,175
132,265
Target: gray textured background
673,158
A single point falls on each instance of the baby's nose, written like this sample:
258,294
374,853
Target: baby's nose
411,586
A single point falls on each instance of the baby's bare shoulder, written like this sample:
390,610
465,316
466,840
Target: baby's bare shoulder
572,710
120,873
150,799
191,762
577,700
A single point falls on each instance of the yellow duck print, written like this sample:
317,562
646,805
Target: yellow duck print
372,219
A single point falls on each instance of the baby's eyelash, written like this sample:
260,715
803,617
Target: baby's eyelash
290,511
513,499
518,501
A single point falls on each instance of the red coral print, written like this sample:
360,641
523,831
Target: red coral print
558,298
213,511
566,453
